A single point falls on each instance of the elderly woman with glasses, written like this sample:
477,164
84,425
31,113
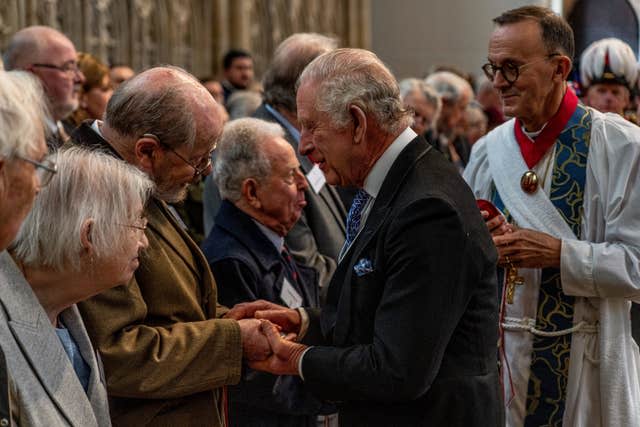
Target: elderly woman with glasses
83,235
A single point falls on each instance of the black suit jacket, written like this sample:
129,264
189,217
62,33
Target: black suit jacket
319,234
411,321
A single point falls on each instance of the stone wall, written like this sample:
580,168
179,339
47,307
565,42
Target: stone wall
193,34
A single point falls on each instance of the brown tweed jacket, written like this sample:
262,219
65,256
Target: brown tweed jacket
166,352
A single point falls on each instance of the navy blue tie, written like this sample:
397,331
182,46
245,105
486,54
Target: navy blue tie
355,215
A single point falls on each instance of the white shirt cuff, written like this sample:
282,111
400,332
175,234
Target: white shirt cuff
304,323
300,362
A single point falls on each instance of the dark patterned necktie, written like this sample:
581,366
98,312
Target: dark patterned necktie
289,264
355,215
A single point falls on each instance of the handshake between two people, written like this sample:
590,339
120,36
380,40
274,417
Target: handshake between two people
268,332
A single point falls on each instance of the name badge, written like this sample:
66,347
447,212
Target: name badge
316,178
289,295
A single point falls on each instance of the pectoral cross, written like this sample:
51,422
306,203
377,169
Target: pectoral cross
513,280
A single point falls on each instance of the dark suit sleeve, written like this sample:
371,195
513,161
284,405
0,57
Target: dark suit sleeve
424,294
236,281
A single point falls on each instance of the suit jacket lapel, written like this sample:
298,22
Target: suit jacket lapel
164,225
40,345
96,391
161,221
382,206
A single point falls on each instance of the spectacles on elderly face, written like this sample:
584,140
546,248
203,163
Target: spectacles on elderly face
198,166
140,227
510,70
69,68
44,170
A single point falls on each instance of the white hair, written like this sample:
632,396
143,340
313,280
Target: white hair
356,77
620,58
413,85
23,113
449,86
89,185
240,154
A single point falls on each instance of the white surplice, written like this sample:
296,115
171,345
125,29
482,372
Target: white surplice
602,270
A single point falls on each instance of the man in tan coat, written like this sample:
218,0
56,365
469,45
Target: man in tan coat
166,350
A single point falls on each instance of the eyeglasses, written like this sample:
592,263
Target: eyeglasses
69,68
510,71
139,227
198,167
44,170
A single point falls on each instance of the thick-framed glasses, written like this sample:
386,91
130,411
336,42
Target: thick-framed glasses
69,68
510,71
44,170
198,167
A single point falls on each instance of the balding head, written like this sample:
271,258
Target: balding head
181,116
164,101
289,59
51,56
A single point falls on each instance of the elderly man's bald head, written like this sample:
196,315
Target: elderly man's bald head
28,45
165,101
51,56
167,123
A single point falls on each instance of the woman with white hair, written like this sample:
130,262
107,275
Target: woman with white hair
83,235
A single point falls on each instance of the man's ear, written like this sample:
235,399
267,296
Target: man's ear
250,193
359,123
563,68
86,238
146,149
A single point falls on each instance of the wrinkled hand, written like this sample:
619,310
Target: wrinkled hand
246,310
286,318
497,225
254,343
286,354
528,249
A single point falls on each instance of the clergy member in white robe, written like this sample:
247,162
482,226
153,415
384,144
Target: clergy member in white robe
568,178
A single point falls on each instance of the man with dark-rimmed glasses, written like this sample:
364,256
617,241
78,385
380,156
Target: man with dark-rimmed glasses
52,57
166,349
566,178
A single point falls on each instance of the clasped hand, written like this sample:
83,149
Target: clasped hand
522,247
268,331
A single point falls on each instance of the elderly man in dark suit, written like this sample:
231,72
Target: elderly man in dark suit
316,238
263,188
409,332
